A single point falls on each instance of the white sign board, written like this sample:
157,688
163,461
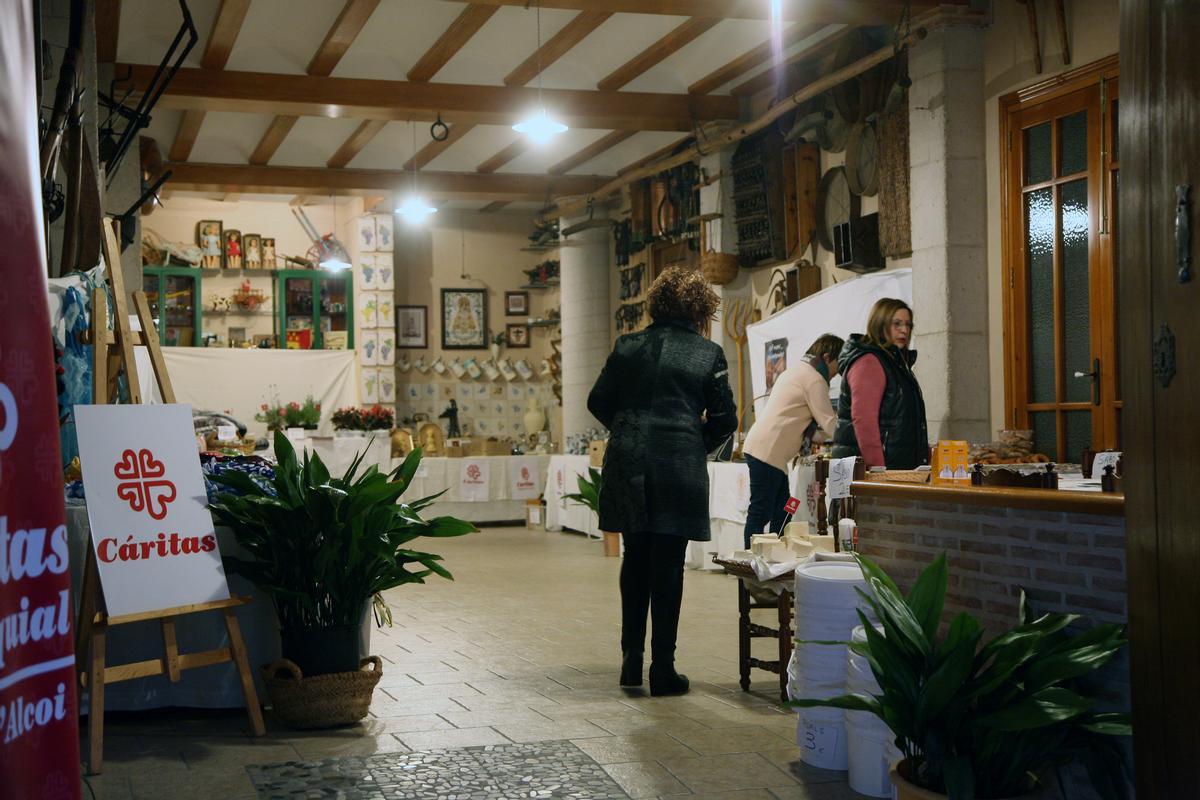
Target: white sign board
151,529
1102,460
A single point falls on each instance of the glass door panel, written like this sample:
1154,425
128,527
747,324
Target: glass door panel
179,305
335,313
298,313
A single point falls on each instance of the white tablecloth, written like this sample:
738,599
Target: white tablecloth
208,687
729,497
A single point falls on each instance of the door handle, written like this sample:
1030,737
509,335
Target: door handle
1095,376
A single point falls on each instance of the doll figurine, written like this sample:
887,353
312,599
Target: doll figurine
253,251
210,242
233,249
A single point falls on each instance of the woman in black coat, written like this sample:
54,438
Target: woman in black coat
664,395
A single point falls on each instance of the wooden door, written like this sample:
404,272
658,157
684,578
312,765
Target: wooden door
1060,267
1160,114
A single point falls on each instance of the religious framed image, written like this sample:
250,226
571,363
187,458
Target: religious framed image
464,319
412,327
517,334
211,241
516,304
776,352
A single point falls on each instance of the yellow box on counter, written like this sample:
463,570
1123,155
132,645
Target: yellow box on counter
951,462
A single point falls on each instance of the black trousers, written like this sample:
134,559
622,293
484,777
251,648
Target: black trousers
769,493
652,582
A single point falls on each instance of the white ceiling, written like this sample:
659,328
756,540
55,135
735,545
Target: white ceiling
281,36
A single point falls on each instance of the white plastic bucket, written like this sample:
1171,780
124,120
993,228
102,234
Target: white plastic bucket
821,736
867,748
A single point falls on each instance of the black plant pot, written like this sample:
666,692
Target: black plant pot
320,651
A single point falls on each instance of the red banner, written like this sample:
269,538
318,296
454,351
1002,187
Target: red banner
39,722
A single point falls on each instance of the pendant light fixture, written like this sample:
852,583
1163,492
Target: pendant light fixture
540,126
415,209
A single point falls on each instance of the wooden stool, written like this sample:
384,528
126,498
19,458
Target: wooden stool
748,630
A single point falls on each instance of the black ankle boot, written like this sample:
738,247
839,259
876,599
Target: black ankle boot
664,680
631,669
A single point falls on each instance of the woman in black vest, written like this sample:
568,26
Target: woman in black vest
881,413
664,395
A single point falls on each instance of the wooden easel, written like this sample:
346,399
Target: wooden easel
113,350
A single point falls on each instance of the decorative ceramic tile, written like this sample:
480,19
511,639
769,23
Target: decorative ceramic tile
383,233
387,348
368,311
387,386
368,348
366,234
368,386
556,769
368,273
385,271
383,309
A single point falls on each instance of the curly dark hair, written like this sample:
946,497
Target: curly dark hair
682,295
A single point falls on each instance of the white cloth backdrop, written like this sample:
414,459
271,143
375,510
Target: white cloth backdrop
840,309
240,381
728,499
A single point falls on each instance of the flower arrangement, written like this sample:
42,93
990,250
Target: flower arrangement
375,418
292,415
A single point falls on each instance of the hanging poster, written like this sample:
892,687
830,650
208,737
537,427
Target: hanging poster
366,234
383,233
39,748
776,360
387,275
473,479
368,273
148,509
368,348
464,319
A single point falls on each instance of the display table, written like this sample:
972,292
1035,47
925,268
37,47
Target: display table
728,499
212,687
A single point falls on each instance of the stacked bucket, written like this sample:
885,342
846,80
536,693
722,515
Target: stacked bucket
870,746
826,604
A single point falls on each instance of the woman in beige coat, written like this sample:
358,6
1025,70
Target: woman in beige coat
798,406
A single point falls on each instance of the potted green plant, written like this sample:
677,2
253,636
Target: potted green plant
323,547
990,721
347,419
589,495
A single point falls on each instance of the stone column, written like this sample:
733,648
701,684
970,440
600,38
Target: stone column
949,232
586,332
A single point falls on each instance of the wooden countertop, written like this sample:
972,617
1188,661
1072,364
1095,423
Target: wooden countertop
1112,505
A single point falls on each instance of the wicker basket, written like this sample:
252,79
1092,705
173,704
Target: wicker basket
719,268
322,701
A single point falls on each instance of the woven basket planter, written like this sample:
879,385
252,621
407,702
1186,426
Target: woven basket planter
322,701
718,268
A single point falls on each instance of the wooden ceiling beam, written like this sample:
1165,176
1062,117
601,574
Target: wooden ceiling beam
367,130
466,25
341,35
249,179
557,46
108,30
226,28
661,152
185,135
493,206
518,147
272,137
765,80
752,59
299,200
594,149
674,41
256,92
849,12
435,148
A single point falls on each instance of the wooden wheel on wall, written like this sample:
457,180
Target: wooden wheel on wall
862,160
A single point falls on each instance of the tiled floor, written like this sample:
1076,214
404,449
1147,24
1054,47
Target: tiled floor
523,647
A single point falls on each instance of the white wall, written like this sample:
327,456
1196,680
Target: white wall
1094,32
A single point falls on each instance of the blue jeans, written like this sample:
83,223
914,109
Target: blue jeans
769,493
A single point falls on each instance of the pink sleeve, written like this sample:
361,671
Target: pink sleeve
867,383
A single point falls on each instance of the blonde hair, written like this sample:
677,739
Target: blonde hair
682,295
879,321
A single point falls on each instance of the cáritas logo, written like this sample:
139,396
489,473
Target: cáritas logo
143,483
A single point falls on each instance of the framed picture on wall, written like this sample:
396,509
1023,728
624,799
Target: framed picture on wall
776,353
412,327
517,334
516,304
464,319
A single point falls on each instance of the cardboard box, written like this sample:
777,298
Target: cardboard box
596,452
951,462
535,515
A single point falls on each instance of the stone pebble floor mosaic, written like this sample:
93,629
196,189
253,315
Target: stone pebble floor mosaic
494,772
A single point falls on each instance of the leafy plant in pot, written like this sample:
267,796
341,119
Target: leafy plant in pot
589,495
990,721
322,547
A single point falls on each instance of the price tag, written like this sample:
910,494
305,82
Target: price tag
1103,460
226,433
841,473
792,505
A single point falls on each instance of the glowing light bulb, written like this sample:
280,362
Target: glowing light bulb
540,127
415,210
